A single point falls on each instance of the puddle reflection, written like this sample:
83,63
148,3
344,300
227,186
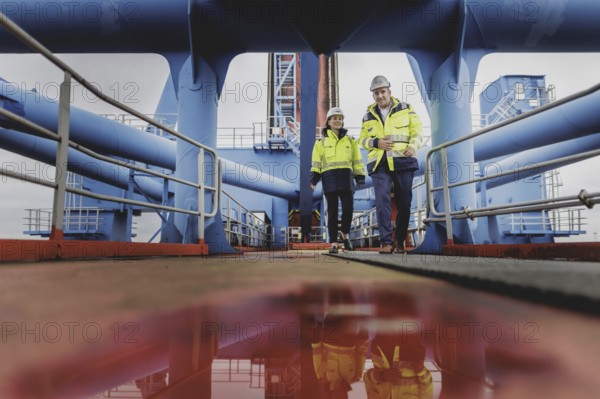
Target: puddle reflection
323,342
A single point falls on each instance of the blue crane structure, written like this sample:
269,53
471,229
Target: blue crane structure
444,40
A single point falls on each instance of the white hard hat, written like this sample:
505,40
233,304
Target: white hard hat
378,82
334,111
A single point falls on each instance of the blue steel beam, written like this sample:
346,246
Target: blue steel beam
309,78
136,26
220,26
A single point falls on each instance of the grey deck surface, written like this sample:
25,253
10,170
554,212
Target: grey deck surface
575,285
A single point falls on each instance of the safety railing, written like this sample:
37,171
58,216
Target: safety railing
81,219
242,226
567,219
38,220
141,124
364,229
227,137
231,370
236,137
534,96
63,143
563,221
317,234
583,198
259,134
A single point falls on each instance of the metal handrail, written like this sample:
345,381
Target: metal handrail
471,213
317,233
82,216
53,136
70,73
539,165
38,47
250,227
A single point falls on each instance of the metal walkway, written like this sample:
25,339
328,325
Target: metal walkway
562,283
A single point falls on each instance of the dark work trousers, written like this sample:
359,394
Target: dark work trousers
347,199
383,183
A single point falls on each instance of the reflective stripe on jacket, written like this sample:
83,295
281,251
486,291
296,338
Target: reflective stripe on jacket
402,125
336,363
413,380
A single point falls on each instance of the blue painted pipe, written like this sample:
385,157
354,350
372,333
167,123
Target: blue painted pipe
44,150
255,180
536,156
88,129
574,119
562,124
114,138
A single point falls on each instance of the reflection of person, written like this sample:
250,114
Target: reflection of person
397,352
339,348
391,132
336,159
399,370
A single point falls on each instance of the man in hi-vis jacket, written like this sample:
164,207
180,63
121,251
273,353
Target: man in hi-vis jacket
391,132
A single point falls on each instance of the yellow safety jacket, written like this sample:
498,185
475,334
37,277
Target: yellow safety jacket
402,125
335,363
413,381
336,160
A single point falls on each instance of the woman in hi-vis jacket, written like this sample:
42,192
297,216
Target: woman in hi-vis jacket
336,160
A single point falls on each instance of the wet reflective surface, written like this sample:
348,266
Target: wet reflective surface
416,338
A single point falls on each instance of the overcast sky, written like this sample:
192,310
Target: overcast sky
138,80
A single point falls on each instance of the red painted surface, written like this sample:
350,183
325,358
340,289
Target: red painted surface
309,245
464,344
323,94
56,234
41,250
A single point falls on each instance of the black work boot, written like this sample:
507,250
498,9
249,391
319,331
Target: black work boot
399,249
348,245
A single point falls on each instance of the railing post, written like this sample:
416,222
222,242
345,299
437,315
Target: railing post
229,232
165,202
60,179
201,194
419,216
129,207
445,178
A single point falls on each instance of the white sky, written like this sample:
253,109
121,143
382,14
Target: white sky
138,80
